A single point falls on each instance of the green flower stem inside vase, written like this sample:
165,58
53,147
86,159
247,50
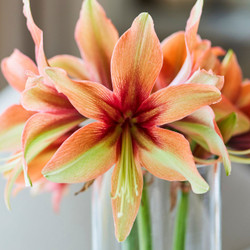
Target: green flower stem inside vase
181,219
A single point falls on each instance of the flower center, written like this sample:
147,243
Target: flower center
127,187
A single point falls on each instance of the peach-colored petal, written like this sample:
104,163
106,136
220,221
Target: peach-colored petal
15,67
206,77
74,66
175,102
37,164
174,55
96,37
43,129
202,128
136,63
206,57
233,77
11,125
91,99
243,102
85,155
125,212
167,155
43,98
193,25
37,36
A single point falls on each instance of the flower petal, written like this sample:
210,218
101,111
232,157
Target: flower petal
125,212
243,101
224,108
96,37
10,183
42,98
11,126
174,55
206,77
74,66
227,126
92,100
41,130
85,155
37,164
233,77
136,63
193,24
191,42
202,128
14,69
175,102
167,155
37,36
240,142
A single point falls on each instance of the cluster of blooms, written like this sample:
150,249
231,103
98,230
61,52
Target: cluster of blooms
150,102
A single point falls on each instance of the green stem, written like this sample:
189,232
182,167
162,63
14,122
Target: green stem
132,240
181,221
144,221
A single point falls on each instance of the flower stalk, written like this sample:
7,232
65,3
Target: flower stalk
181,218
144,220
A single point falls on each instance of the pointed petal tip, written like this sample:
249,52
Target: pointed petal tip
145,17
201,187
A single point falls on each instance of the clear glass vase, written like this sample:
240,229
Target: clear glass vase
175,217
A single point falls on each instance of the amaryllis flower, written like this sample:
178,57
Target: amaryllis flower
186,57
55,114
127,131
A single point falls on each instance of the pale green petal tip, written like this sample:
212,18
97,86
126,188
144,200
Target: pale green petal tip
144,17
200,188
228,170
28,182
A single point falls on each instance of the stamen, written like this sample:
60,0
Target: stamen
127,186
10,162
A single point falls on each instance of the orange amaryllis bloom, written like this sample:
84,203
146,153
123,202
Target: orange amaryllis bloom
56,114
186,58
127,131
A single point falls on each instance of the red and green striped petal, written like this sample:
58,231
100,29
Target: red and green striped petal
202,128
37,164
74,66
12,122
43,129
43,98
167,155
15,68
96,37
125,210
136,63
175,102
85,155
91,99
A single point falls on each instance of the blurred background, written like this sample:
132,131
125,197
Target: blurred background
32,223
